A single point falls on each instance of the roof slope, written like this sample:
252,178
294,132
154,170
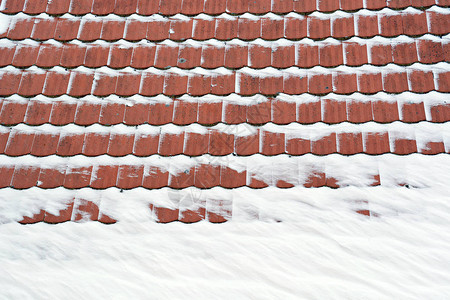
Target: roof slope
190,107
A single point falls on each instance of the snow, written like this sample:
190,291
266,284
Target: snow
4,23
321,249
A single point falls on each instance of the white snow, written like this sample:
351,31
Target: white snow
322,249
4,22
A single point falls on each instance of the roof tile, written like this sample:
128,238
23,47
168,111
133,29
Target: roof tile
25,56
31,84
63,113
12,112
367,25
112,113
77,177
87,113
183,179
4,136
203,29
376,143
247,145
38,217
145,145
328,5
90,30
351,4
136,114
157,30
44,29
120,57
70,145
38,112
80,84
128,84
404,146
259,56
129,176
104,177
125,7
226,29
80,7
283,112
272,29
359,111
342,27
209,112
85,210
171,144
234,113
135,30
13,6
58,7
66,29
297,146
180,29
161,113
73,55
355,54
272,143
19,143
309,112
6,173
196,144
63,215
102,7
249,29
350,143
213,57
207,176
259,113
333,111
104,84
318,28
370,83
220,143
95,144
120,144
25,177
192,7
147,7
155,178
49,56
35,6
325,145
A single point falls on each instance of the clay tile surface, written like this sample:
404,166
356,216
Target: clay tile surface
147,97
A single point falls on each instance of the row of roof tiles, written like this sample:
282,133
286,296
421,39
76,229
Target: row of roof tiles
77,210
180,112
168,142
167,205
193,7
388,24
153,177
186,211
79,83
80,210
254,172
257,54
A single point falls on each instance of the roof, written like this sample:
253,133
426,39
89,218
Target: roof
191,110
